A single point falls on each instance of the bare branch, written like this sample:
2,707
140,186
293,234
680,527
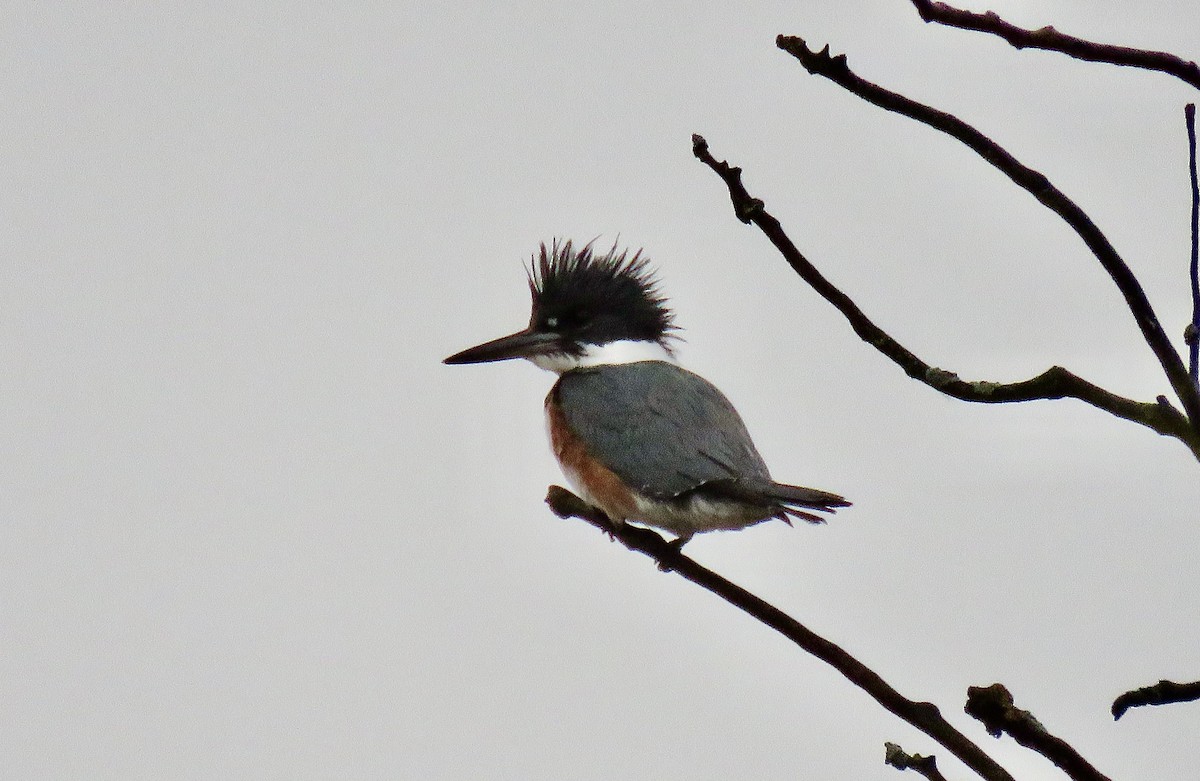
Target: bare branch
993,705
1191,335
926,766
1161,693
836,70
1052,40
924,716
1054,383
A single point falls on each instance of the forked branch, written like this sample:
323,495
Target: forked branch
1052,40
1054,383
836,70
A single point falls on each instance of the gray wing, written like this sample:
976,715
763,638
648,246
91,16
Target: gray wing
659,427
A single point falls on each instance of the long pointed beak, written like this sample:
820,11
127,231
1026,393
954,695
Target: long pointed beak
522,344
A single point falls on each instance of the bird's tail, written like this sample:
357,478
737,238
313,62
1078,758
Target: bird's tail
795,501
790,501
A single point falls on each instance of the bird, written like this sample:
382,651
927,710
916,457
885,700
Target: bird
637,435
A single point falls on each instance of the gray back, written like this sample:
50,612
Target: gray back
662,429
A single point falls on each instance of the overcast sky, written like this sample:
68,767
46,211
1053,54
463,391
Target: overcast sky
250,527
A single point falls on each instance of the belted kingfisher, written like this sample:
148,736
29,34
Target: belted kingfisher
636,435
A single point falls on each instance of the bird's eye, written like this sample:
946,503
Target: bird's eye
564,321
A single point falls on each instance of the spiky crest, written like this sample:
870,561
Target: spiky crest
597,299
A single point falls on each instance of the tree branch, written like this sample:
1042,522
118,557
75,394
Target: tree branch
993,705
1052,40
926,766
836,70
1054,383
1161,693
924,716
1191,335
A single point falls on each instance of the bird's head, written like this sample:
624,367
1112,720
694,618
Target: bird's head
587,310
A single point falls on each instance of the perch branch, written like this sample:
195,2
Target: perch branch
927,766
993,706
1161,693
924,716
1052,40
836,70
1054,383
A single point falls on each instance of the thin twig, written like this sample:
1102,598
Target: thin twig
927,766
993,705
1052,40
1161,693
1191,334
1054,383
925,716
836,70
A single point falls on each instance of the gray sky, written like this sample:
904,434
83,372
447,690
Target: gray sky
250,527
